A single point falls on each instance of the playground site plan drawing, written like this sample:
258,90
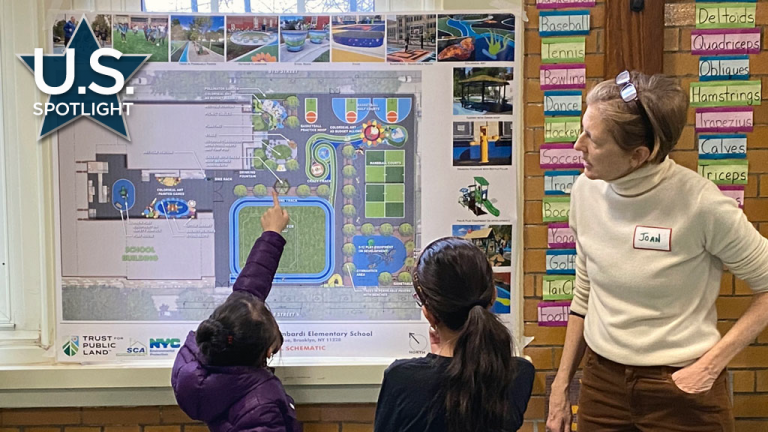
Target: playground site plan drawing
379,134
158,228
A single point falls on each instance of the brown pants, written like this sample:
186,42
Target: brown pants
619,398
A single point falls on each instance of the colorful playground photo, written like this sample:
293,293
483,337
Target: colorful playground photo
252,39
142,34
482,90
305,38
503,296
411,38
478,143
197,38
475,198
494,240
358,39
476,37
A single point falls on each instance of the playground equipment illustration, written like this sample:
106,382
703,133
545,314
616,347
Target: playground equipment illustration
475,198
484,138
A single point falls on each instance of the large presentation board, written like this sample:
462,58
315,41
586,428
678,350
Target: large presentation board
380,133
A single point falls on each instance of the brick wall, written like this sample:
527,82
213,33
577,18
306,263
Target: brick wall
750,368
546,349
316,418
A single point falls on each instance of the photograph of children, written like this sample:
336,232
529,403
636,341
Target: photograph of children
142,34
65,25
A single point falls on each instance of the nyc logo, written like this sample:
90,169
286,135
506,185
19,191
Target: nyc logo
84,81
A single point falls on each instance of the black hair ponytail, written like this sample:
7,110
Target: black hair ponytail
455,282
479,374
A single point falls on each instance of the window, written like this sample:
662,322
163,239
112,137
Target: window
259,6
26,255
169,6
5,294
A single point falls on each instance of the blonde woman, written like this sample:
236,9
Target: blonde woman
652,240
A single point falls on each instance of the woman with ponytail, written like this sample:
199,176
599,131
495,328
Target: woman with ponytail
220,375
470,381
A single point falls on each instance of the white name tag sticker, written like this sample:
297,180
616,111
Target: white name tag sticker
653,238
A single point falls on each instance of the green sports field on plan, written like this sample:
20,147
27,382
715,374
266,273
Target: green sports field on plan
305,238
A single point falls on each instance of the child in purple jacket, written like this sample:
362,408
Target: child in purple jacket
220,375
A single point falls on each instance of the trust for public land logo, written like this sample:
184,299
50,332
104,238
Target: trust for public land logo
71,346
84,81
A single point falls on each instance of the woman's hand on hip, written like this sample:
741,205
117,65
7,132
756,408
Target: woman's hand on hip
696,378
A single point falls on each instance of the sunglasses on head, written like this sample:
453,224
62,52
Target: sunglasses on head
628,93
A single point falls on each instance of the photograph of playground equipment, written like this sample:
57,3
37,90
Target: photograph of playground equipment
475,198
494,240
197,38
503,296
482,90
357,38
476,37
142,34
305,38
411,38
252,39
65,24
478,143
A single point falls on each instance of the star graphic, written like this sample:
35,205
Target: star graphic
83,44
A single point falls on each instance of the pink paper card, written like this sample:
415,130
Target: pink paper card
558,4
560,156
554,314
734,191
560,236
563,76
725,41
724,119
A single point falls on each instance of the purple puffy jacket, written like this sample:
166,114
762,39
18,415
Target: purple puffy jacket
237,398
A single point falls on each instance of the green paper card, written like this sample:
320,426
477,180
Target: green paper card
556,209
558,287
725,171
726,93
563,50
725,15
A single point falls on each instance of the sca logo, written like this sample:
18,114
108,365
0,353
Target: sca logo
162,343
136,348
71,346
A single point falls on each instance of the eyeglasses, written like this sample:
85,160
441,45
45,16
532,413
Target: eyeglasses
629,94
418,300
417,287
